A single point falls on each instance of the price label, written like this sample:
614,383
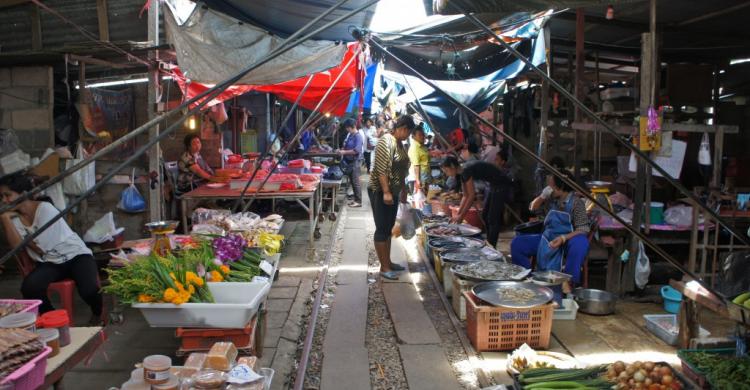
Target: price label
266,267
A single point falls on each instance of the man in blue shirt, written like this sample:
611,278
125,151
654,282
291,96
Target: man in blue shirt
351,160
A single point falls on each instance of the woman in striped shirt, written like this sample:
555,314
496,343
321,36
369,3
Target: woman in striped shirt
387,177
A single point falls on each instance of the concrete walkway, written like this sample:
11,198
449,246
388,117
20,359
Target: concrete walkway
345,361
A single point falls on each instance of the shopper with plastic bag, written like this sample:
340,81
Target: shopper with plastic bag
408,219
387,180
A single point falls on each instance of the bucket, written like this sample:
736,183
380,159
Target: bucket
472,217
672,299
656,212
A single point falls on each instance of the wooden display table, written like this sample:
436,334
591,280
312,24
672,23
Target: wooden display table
83,342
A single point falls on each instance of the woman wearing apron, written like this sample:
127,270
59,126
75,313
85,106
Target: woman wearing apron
563,244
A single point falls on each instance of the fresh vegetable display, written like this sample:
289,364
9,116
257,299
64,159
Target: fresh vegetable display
180,277
722,371
616,376
743,300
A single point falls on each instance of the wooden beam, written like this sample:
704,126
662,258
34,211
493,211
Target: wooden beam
11,3
580,60
714,14
103,18
36,28
97,61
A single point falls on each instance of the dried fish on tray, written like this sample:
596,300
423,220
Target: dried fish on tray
453,243
469,255
451,230
435,218
513,294
482,271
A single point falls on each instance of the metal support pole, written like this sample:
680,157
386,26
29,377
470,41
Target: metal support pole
283,48
553,170
285,149
740,235
155,193
544,114
215,91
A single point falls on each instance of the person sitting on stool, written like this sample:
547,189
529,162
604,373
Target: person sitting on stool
564,237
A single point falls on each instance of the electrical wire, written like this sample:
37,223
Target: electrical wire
89,35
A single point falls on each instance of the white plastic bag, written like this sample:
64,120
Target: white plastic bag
81,180
103,230
642,267
680,215
418,200
704,151
406,222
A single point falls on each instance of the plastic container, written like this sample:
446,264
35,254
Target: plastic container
494,328
156,369
57,319
173,383
458,301
31,375
29,305
25,320
266,373
473,217
51,337
203,339
672,299
568,310
209,380
655,323
135,385
656,213
235,305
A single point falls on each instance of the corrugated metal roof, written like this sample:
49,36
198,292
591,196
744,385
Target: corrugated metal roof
124,24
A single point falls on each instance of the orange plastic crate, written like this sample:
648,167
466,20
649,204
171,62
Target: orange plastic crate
202,339
494,328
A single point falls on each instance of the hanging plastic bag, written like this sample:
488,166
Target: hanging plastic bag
642,267
131,200
406,221
81,180
418,200
704,152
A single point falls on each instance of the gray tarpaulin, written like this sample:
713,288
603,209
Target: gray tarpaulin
212,47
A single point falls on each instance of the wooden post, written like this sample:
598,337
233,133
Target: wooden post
103,19
36,27
653,67
580,84
155,194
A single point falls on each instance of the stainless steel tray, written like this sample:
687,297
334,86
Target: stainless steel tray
462,229
551,277
497,294
495,271
468,255
455,243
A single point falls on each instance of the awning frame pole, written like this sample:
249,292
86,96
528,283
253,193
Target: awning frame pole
215,91
156,120
549,168
745,240
285,149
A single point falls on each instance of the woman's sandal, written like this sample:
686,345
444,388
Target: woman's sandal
397,267
390,275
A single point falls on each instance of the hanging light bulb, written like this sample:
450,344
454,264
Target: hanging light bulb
191,123
610,12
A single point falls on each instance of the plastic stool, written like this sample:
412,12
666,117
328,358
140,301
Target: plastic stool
64,289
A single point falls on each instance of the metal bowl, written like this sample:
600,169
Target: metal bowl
597,302
491,292
454,243
598,184
468,255
162,226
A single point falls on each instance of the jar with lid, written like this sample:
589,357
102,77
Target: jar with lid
172,384
208,380
51,337
156,369
57,319
19,320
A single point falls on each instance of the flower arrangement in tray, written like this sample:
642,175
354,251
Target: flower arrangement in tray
181,276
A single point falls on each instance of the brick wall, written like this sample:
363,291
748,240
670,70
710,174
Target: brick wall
26,106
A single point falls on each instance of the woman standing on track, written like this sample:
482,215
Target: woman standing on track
387,178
